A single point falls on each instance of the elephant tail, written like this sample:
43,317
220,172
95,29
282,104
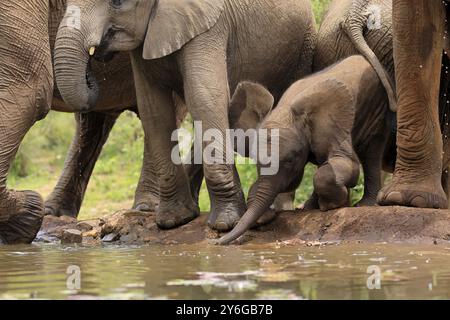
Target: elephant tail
353,26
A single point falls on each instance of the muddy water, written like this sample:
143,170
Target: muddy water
205,272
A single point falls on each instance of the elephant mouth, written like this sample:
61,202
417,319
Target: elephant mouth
92,85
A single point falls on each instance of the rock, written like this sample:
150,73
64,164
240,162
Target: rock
313,228
45,238
88,225
94,234
71,236
129,238
110,237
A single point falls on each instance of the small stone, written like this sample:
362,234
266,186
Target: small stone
71,236
87,225
94,233
110,237
67,219
129,238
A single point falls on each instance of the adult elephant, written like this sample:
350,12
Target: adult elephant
201,50
27,36
420,37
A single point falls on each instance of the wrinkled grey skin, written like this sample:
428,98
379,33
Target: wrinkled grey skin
201,50
27,35
420,43
320,119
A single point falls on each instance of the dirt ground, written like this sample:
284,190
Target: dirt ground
374,224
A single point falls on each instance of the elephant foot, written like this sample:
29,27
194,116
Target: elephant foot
146,203
23,225
266,218
171,217
367,202
284,202
224,216
59,208
311,204
429,194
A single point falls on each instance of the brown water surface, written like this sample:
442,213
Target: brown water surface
210,272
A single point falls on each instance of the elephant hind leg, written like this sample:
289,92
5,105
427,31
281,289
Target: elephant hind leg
418,58
92,131
371,161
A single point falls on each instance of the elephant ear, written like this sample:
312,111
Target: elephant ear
330,104
173,23
250,104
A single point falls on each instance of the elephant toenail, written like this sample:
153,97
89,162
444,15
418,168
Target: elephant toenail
394,197
419,202
143,207
49,211
222,226
168,224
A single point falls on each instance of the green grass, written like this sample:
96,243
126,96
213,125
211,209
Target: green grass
41,157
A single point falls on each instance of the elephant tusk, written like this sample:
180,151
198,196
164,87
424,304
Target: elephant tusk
91,51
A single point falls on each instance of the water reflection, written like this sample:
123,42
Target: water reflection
209,272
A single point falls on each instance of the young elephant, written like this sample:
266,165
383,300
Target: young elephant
316,120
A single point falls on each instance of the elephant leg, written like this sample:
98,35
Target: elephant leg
312,203
21,212
195,175
418,45
284,202
446,182
147,193
26,86
372,181
371,162
207,96
333,180
157,113
92,131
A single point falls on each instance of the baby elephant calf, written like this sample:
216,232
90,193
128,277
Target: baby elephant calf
328,119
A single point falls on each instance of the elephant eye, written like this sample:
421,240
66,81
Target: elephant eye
117,3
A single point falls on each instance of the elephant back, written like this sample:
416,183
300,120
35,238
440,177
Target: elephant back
373,17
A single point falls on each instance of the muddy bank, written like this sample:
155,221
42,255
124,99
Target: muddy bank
375,224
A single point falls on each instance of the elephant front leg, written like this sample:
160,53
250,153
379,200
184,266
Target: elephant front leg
147,192
21,212
333,181
157,112
207,97
418,45
92,131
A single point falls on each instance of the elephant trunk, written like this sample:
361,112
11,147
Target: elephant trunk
264,196
74,78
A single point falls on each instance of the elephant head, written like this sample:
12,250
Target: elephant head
98,28
307,117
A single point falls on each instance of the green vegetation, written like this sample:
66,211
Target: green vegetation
41,157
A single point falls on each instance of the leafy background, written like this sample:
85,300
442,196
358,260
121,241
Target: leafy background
40,160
